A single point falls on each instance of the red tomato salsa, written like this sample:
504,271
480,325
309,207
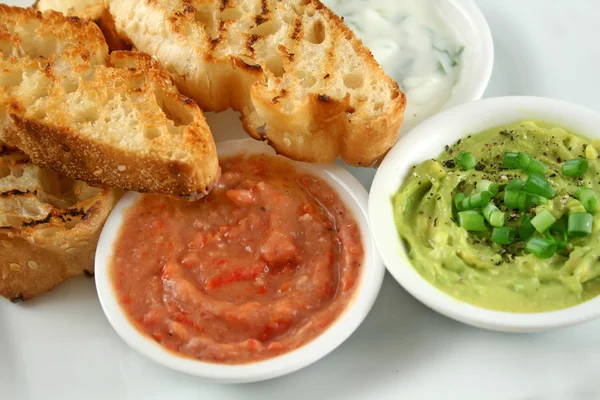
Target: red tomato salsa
259,267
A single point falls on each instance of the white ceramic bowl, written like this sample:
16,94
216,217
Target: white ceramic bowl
352,194
427,141
478,57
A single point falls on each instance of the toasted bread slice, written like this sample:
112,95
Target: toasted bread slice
300,78
49,226
116,120
89,10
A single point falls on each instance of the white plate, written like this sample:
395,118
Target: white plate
61,347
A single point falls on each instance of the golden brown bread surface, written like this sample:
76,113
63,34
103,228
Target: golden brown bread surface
89,10
297,74
49,226
116,120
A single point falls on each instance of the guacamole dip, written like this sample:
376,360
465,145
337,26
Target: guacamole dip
509,272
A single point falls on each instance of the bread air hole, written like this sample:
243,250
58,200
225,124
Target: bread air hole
152,132
174,110
316,33
275,65
4,171
205,18
353,80
378,106
306,80
266,28
17,171
11,77
230,14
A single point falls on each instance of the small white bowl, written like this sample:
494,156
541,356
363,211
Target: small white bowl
427,141
477,59
352,193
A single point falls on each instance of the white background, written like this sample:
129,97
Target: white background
60,346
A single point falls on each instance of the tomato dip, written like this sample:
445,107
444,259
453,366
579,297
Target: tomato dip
259,267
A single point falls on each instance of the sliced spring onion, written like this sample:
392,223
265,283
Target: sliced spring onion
476,200
458,198
579,224
535,200
515,184
493,215
509,160
515,199
540,247
503,235
588,198
525,229
559,234
471,221
538,184
488,186
575,167
543,220
466,160
536,167
523,161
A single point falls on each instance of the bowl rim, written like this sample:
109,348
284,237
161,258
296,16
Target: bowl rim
354,196
432,134
472,83
471,87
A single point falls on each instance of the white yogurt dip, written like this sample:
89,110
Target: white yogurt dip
414,44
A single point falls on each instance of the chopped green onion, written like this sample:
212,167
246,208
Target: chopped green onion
493,215
466,160
523,161
537,184
497,218
535,200
588,198
543,221
476,200
503,235
509,161
488,186
515,184
458,198
525,229
580,224
559,235
515,199
540,247
471,221
575,167
536,166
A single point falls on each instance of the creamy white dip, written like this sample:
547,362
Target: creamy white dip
414,44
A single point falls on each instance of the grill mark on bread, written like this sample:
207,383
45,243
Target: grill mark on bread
281,95
224,4
264,14
324,98
250,42
297,30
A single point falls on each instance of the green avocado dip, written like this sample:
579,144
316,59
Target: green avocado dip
541,186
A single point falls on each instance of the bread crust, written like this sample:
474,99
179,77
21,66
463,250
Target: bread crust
312,118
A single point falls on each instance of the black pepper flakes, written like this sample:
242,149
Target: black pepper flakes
450,164
480,166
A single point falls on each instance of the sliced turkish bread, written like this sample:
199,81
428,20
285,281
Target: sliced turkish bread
89,10
300,78
116,120
49,226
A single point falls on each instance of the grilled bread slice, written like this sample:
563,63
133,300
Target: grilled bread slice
89,10
298,75
49,226
116,120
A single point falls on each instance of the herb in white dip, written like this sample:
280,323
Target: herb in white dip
414,44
